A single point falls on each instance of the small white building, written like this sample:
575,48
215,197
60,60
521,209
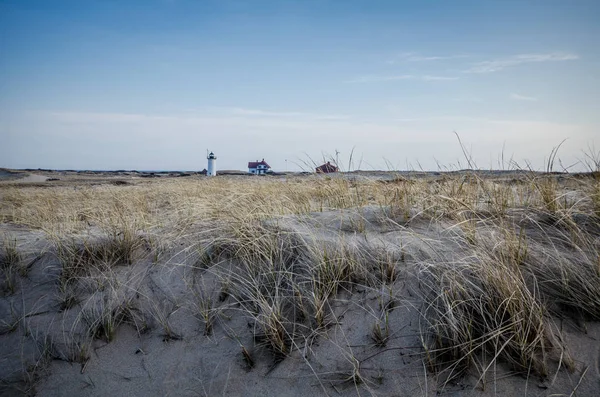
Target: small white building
258,167
212,164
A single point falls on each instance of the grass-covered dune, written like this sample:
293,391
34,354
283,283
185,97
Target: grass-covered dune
460,283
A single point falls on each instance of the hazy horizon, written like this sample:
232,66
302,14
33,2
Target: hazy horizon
151,85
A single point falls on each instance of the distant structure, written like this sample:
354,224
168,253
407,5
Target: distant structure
212,164
326,168
259,167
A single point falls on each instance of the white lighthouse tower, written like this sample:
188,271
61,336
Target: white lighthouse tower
212,164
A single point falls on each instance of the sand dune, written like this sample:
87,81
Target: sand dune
449,284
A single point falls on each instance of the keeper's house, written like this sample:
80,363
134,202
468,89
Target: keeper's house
259,167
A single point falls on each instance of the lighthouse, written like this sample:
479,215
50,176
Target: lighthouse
212,164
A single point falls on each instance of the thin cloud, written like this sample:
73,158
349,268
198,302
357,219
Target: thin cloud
208,113
380,78
501,64
420,59
415,57
247,112
376,78
467,99
438,78
258,112
518,97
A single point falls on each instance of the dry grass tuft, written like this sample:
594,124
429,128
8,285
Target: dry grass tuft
483,308
10,263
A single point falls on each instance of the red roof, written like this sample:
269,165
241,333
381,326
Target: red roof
255,164
327,168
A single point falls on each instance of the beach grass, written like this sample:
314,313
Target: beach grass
495,261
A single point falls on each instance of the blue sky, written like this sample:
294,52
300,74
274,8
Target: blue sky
153,84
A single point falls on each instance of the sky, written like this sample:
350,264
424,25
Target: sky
154,84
